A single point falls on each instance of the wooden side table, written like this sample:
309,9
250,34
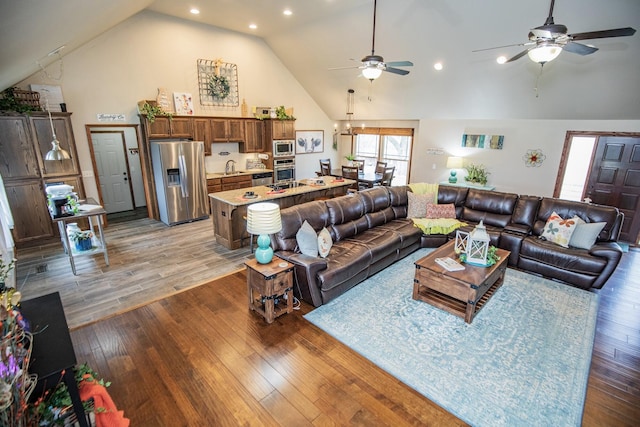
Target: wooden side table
270,287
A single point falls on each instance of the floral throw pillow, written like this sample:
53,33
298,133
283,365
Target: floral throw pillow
417,204
447,210
558,230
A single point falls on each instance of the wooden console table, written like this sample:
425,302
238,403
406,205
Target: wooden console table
52,354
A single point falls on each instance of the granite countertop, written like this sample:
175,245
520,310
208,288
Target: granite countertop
265,194
211,175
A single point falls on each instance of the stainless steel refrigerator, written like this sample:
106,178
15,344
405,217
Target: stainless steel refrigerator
180,178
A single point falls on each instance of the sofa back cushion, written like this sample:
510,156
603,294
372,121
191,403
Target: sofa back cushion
398,200
293,217
450,194
588,212
346,216
377,206
526,210
492,207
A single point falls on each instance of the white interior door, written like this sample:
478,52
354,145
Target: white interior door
112,170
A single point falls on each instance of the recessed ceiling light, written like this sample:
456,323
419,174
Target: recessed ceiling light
253,26
195,11
288,12
438,66
501,59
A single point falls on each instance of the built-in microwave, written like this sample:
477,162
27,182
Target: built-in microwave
283,148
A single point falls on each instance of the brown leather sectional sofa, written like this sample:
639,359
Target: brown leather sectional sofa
370,231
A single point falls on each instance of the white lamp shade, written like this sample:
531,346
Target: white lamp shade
454,163
263,218
544,53
372,73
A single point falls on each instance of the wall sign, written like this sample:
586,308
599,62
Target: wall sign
103,117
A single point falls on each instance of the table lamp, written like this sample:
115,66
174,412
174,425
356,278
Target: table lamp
263,219
454,163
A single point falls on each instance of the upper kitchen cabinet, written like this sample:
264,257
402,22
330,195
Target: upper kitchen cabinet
281,129
227,130
202,132
169,127
64,133
17,153
254,137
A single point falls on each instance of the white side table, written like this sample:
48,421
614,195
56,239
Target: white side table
94,216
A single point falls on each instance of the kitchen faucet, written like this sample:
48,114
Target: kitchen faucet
230,166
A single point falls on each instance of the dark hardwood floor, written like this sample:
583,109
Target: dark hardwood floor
202,358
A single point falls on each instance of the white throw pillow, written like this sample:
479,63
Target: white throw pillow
558,230
307,240
324,242
585,234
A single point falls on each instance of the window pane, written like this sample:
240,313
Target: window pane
366,146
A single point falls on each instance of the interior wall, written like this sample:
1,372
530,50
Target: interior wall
507,167
128,63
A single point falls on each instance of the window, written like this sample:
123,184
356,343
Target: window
391,145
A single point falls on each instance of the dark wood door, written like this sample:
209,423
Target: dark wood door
615,180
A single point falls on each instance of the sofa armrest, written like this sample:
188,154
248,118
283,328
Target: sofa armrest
304,273
613,253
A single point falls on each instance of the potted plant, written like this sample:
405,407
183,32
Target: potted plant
81,239
350,158
476,174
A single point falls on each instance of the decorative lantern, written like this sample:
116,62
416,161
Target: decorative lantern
478,245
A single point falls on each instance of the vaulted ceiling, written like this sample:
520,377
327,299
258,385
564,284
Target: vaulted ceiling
321,34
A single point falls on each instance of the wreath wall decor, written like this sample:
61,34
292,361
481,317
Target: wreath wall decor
534,158
218,83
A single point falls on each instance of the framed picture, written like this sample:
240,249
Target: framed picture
309,141
184,103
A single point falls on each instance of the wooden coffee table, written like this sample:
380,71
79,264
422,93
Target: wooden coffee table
462,293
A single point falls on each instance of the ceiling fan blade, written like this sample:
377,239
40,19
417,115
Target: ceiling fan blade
343,68
579,48
518,56
400,63
396,71
617,32
507,45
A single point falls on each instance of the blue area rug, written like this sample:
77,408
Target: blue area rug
523,361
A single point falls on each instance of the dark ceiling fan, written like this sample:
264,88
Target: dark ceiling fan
548,40
373,65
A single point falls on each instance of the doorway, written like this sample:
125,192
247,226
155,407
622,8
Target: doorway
117,171
612,176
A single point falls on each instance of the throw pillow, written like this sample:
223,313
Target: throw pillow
324,242
558,230
447,210
417,205
307,240
585,234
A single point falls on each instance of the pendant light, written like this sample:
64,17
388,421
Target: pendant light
56,153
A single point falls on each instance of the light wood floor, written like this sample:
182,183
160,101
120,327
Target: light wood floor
202,358
147,261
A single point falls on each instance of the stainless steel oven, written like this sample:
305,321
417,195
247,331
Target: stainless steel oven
284,170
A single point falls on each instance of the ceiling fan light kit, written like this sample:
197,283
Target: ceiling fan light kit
544,53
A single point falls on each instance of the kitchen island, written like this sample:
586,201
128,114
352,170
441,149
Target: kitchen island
229,208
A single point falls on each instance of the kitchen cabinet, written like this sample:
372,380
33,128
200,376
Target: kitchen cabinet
282,129
24,141
236,182
214,185
253,137
170,127
227,130
202,132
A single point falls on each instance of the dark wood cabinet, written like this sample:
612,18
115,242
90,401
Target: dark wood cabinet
283,129
202,132
236,182
170,127
253,137
24,143
227,130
